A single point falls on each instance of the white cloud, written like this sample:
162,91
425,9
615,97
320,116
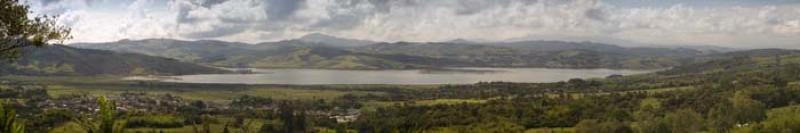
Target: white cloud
761,25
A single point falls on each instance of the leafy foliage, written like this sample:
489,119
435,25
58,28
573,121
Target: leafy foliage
8,121
18,30
105,121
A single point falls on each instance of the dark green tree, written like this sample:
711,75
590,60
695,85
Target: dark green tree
226,130
654,125
685,121
18,30
271,127
594,126
782,120
720,119
747,110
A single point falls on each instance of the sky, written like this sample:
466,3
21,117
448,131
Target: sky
727,23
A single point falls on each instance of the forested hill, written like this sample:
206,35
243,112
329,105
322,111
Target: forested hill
65,60
313,52
548,54
281,54
740,62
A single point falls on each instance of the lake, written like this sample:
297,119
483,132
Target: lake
443,76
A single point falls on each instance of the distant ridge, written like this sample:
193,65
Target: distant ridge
334,41
65,60
329,52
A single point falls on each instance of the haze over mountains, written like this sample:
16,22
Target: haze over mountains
329,52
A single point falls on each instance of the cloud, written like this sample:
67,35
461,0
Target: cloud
218,31
732,26
209,3
281,9
736,24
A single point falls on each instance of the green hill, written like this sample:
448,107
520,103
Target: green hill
541,54
404,55
740,61
189,51
64,60
282,54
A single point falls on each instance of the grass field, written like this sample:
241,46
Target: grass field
221,94
551,130
449,101
106,86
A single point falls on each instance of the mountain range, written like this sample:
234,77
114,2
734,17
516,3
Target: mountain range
329,52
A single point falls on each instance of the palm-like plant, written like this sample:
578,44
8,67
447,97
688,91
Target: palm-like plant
8,121
105,121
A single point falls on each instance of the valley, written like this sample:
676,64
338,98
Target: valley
306,53
394,77
376,107
399,66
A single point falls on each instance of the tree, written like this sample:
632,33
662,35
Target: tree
649,118
226,130
648,109
594,126
270,128
782,120
720,119
495,126
654,125
747,110
206,127
685,121
293,118
740,109
17,30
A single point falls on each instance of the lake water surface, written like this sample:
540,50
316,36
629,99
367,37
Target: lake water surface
449,76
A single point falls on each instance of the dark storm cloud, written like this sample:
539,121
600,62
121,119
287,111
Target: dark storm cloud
48,2
596,14
341,22
183,15
210,3
282,9
467,7
382,5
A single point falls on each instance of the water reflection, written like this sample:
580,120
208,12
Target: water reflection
438,76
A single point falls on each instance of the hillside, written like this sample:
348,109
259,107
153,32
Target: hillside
189,51
549,54
312,51
282,54
64,60
741,61
315,56
334,41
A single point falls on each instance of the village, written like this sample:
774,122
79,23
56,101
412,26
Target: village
36,99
